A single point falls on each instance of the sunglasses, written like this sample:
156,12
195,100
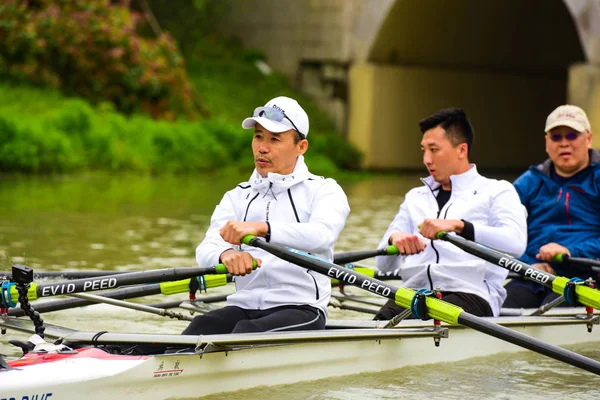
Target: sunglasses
276,115
570,136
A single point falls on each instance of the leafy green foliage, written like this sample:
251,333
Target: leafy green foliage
114,70
92,49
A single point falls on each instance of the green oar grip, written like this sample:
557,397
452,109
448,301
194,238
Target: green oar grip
246,239
560,257
222,269
392,250
439,234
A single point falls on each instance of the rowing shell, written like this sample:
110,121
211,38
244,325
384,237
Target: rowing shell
230,362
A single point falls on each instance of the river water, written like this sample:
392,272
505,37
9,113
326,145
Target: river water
132,223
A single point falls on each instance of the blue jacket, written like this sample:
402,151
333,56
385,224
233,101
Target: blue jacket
568,215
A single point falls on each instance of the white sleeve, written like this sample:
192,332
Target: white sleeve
401,223
209,251
328,216
507,230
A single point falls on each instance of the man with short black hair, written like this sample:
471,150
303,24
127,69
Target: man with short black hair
562,197
286,204
454,198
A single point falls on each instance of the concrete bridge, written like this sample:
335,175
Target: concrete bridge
379,66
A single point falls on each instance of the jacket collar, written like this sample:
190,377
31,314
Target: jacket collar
459,182
545,167
278,183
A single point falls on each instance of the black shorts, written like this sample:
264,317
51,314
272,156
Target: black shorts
232,319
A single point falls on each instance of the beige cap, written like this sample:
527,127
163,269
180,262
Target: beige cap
568,115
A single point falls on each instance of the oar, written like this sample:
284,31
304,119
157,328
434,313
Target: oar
586,262
392,275
436,308
37,290
352,256
131,293
342,257
585,294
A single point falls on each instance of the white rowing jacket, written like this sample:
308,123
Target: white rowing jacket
499,221
305,212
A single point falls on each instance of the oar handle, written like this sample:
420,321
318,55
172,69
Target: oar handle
392,250
346,257
222,269
584,262
561,257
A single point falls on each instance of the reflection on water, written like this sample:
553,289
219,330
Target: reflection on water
504,376
133,223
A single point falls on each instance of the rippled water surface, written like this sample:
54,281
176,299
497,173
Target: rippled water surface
133,223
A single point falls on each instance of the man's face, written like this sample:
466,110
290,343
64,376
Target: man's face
568,156
276,152
441,158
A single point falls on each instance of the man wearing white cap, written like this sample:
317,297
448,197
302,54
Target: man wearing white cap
562,197
285,204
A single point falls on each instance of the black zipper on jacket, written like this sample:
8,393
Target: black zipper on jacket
437,254
315,281
293,205
248,207
429,276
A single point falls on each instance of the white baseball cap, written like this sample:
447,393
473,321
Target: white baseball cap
279,115
568,115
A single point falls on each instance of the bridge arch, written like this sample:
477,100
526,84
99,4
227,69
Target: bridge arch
505,62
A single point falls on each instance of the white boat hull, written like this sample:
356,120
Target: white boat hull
233,362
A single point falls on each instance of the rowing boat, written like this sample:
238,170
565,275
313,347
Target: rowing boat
102,364
223,363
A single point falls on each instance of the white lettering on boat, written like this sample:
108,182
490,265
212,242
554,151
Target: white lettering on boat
99,284
341,275
536,275
58,289
375,287
512,265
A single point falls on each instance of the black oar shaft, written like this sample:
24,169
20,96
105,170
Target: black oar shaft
528,342
587,262
502,260
64,304
326,268
117,280
382,289
352,256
